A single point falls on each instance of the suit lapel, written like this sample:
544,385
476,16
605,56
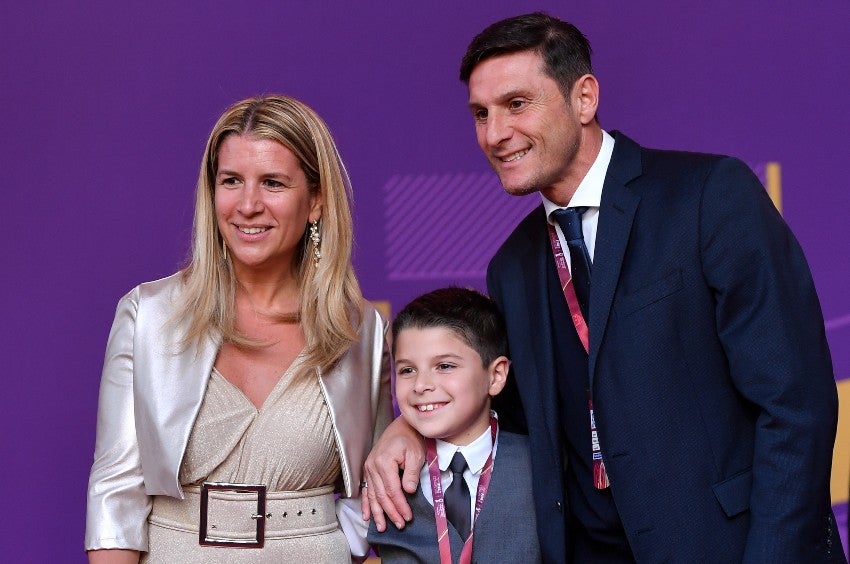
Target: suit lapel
617,211
169,387
347,403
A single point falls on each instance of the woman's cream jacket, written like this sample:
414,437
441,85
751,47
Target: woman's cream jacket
150,394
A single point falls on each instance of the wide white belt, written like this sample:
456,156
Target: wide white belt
244,515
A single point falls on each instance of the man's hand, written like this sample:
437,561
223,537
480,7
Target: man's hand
400,446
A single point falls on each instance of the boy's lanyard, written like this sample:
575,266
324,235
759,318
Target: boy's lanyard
600,476
439,504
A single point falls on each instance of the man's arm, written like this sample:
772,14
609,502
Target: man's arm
770,323
400,447
507,403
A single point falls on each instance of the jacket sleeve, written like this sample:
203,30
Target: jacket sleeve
771,327
117,506
348,509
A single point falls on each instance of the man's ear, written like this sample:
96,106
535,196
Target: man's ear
585,97
498,372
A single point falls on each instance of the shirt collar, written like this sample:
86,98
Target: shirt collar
589,191
475,453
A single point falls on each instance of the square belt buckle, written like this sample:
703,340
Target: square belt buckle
259,516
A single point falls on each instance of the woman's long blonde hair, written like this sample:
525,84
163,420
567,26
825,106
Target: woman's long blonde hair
330,297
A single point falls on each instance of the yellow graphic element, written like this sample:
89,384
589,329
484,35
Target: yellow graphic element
840,483
384,308
773,179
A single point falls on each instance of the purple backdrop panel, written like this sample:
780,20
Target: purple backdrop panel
841,519
106,107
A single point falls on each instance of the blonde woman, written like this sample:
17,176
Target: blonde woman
241,393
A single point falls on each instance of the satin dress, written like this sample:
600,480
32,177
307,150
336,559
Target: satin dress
287,444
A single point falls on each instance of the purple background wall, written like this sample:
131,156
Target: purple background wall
105,111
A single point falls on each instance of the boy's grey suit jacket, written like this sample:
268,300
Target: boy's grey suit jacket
506,529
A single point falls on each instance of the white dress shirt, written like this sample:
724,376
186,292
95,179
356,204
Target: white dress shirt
475,453
588,193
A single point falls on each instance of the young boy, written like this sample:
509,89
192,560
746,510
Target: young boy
449,348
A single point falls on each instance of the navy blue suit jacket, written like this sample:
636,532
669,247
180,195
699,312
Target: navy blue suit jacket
505,530
712,381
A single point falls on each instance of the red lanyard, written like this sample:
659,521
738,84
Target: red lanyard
440,507
600,476
568,289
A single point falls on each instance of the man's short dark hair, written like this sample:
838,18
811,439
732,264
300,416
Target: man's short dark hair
472,316
564,49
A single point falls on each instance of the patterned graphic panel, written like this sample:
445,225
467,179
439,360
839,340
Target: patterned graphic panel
447,226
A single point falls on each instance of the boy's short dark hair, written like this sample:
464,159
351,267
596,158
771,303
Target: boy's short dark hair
471,315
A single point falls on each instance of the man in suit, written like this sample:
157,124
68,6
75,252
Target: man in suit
689,332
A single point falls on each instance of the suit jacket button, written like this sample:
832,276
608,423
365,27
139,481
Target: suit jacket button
558,507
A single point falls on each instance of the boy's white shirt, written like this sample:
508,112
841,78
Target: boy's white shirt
475,453
353,526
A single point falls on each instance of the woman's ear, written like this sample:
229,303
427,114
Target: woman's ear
316,208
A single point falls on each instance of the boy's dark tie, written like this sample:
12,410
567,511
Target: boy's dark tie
457,500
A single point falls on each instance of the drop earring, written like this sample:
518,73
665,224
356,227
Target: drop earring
224,249
317,239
